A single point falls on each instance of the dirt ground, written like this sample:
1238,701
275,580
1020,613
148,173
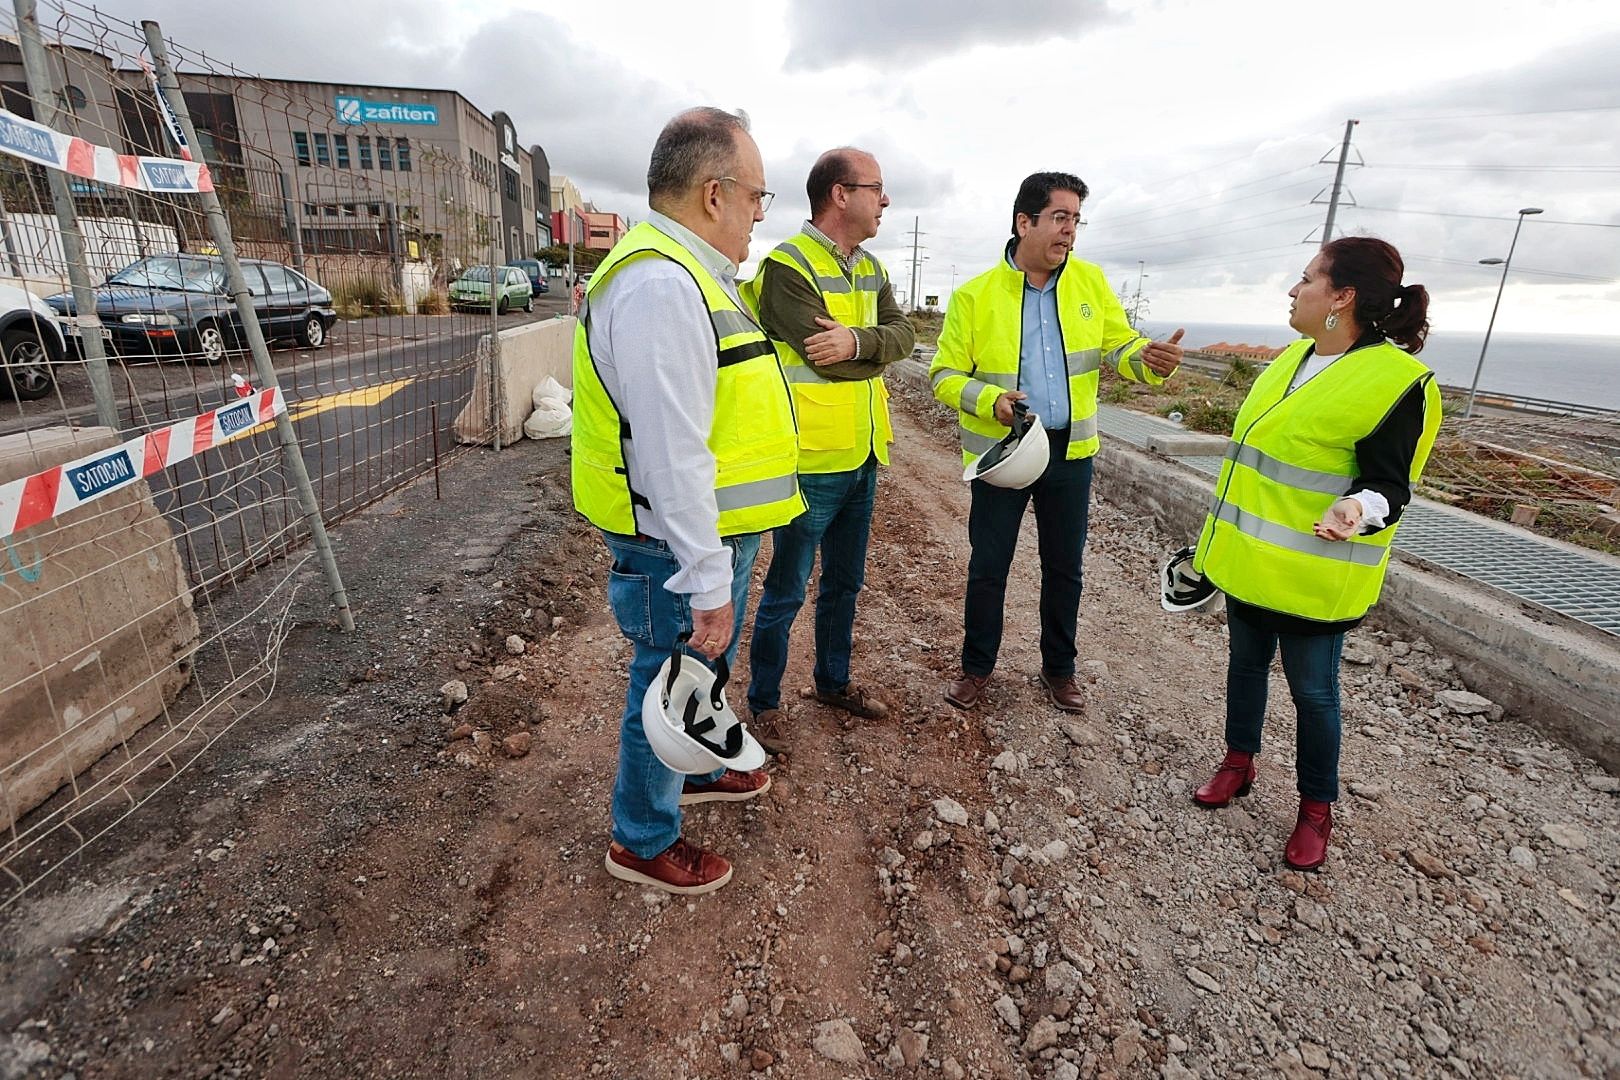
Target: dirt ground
355,884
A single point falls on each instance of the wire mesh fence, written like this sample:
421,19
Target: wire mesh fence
144,596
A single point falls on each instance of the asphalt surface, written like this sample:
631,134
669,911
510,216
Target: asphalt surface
371,411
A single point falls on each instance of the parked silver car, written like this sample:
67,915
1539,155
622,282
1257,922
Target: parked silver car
31,344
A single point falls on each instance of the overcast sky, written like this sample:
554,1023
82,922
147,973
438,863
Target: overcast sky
1198,126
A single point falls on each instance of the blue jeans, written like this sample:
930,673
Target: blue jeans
1062,498
1311,662
646,792
838,519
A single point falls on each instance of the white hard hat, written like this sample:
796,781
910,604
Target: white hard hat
1019,459
688,723
1181,588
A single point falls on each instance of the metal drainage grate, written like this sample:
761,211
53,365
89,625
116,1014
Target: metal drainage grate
1580,586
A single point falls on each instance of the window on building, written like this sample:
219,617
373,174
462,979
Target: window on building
402,154
330,209
374,209
311,210
340,144
323,149
364,144
301,147
385,154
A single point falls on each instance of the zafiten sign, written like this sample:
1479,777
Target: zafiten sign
353,110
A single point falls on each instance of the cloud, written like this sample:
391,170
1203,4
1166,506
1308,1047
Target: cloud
828,33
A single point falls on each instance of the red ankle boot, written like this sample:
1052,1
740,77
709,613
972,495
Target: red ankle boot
1232,779
1307,848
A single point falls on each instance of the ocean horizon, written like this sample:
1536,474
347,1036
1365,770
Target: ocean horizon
1580,368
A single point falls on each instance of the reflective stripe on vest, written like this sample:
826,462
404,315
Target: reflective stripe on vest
990,315
842,422
1292,456
752,435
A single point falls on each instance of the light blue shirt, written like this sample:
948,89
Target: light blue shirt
1043,368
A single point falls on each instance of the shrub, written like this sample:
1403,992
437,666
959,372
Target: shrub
1117,393
1240,373
359,297
1215,417
433,303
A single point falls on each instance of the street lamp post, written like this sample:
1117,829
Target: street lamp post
1473,388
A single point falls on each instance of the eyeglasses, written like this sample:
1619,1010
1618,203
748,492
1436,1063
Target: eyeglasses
1061,218
877,187
760,195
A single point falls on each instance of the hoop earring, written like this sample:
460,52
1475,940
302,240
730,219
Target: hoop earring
1332,320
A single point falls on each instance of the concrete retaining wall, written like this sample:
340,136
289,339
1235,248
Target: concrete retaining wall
529,353
1549,671
96,626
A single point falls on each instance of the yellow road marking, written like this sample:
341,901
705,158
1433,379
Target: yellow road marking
347,399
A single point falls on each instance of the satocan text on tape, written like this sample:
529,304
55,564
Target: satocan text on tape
70,154
43,496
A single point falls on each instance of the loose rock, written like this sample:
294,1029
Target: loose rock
836,1041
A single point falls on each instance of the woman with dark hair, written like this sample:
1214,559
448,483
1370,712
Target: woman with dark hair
1323,457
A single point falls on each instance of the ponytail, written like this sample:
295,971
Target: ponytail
1407,323
1374,269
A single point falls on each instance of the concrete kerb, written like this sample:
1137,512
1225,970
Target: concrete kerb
1546,670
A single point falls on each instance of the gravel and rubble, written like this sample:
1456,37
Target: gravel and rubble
394,869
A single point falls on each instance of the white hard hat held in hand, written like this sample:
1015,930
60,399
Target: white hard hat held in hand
1019,459
1181,588
688,723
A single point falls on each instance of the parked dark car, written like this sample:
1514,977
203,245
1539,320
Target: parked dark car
178,304
537,274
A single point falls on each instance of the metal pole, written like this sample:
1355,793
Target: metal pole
495,402
1338,182
1136,304
437,494
9,240
42,89
1473,388
295,232
916,222
220,229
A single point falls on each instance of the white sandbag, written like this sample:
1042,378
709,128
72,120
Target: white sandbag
553,416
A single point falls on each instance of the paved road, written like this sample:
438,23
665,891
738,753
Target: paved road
366,413
150,393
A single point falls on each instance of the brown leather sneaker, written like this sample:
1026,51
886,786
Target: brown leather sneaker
681,868
1064,690
769,729
854,699
965,690
732,786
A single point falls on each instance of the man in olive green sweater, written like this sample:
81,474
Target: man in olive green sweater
830,311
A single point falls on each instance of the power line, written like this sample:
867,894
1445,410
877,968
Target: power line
1436,117
1159,210
1490,217
1187,234
1421,167
1517,269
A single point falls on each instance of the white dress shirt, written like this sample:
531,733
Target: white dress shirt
654,347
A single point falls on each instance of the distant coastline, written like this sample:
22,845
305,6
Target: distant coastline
1562,367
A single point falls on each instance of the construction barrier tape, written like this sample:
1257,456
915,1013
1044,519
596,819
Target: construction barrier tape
70,154
27,502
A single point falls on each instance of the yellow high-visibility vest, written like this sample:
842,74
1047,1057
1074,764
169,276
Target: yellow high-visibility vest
752,436
979,349
1292,455
842,422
